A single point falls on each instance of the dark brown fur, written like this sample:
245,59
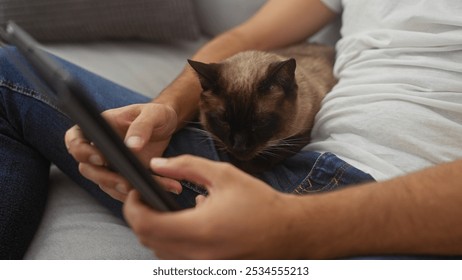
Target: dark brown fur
260,106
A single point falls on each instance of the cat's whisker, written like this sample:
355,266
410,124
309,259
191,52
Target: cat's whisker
277,146
219,145
204,134
286,144
265,154
193,122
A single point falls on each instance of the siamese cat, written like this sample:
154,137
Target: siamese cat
259,106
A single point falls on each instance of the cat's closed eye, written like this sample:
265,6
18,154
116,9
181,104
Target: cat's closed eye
218,121
261,122
266,87
265,126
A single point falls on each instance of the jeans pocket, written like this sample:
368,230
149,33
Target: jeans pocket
330,173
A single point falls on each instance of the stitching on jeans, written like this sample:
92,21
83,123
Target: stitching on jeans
302,188
28,92
333,183
338,175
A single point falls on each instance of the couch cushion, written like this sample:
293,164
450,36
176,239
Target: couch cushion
217,16
76,227
84,20
140,66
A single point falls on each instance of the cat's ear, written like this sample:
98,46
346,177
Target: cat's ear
208,73
281,74
284,69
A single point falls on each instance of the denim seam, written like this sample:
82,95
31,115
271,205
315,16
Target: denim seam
302,188
338,175
306,185
27,92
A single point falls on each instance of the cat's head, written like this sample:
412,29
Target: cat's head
247,101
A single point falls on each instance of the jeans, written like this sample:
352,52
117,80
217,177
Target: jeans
32,137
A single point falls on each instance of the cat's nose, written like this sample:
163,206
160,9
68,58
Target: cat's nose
241,149
240,143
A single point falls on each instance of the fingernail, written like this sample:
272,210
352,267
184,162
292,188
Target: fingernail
121,188
156,162
133,142
96,160
174,191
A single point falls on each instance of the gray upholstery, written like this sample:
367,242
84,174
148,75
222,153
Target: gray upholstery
76,227
86,20
219,15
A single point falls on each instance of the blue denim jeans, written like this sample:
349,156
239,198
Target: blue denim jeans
32,137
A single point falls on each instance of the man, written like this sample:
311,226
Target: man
395,114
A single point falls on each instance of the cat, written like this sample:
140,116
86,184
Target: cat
260,106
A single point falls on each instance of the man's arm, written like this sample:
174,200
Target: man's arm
417,214
412,215
278,23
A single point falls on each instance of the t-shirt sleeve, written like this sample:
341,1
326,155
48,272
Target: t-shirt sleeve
334,5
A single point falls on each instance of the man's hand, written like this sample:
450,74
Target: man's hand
242,217
145,128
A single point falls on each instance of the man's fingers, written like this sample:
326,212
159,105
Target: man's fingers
170,185
140,218
74,137
153,122
200,199
146,221
139,131
81,149
194,169
102,176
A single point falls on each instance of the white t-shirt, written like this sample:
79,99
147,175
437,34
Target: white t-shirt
398,105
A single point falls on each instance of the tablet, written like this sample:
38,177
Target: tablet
77,104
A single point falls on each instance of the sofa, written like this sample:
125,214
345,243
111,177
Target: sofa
74,225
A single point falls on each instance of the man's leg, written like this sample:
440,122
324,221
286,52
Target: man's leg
31,137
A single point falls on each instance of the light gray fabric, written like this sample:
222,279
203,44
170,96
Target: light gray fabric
141,66
76,227
217,16
329,35
85,20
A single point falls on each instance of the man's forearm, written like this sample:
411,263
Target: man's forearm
414,214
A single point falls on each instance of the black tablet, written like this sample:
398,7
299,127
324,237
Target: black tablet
76,103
